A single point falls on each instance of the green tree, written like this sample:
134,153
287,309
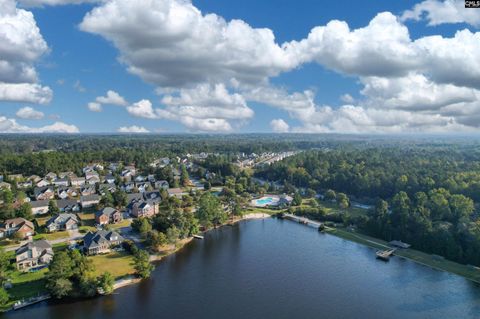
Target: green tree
120,198
107,199
59,287
297,199
142,225
106,282
4,297
25,211
343,201
210,211
330,195
52,207
142,264
172,235
4,267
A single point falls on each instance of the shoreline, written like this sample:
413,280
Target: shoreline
416,256
132,280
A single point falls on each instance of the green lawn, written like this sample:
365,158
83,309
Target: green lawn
86,229
28,284
41,221
253,210
119,264
88,219
123,223
52,236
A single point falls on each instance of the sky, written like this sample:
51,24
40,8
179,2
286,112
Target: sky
171,66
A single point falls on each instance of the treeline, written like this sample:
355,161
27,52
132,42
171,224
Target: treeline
383,172
436,222
424,195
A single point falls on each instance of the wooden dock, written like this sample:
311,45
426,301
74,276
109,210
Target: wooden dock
302,220
29,302
385,254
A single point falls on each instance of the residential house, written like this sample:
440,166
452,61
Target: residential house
108,215
89,200
91,174
153,197
64,221
66,192
94,179
161,185
15,177
34,178
110,179
131,168
100,242
87,190
177,192
19,227
43,193
66,175
139,178
151,178
68,205
129,187
144,208
77,181
103,188
143,186
42,183
61,182
4,185
39,207
34,255
24,184
114,166
51,176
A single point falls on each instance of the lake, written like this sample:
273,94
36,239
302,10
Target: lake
278,269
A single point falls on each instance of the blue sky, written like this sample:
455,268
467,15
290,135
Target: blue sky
392,69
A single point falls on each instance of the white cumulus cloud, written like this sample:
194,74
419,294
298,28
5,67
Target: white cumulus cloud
11,126
132,129
112,98
21,46
279,126
439,12
29,113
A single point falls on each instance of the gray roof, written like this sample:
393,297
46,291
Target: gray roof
39,244
39,203
91,240
89,198
62,203
61,219
107,211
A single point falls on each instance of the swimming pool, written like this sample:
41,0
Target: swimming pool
266,201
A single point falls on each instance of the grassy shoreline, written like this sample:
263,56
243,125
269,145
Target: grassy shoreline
435,262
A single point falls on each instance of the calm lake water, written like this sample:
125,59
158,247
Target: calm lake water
279,269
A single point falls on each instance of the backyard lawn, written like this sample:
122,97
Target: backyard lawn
119,264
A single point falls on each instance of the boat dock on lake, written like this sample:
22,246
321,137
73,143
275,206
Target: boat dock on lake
29,302
302,220
385,254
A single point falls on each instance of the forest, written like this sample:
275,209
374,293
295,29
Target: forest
425,195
